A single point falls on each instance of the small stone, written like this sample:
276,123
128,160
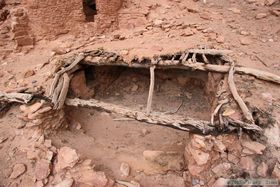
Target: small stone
187,32
66,158
247,164
158,22
261,15
205,16
124,52
48,143
275,12
78,126
276,171
125,169
220,182
220,39
65,183
256,147
262,169
42,169
3,139
244,33
235,10
232,158
18,170
39,184
245,40
199,156
145,132
29,73
134,88
220,169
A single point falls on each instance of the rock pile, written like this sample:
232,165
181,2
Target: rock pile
41,114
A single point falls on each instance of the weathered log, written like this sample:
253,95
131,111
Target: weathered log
163,64
179,122
16,97
246,112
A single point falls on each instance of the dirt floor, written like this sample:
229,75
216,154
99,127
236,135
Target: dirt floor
91,147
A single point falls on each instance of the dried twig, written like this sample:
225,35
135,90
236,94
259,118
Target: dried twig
151,90
222,102
63,93
246,112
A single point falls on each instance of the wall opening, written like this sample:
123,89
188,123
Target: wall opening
89,8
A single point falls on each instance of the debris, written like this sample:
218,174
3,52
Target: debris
187,32
66,158
125,169
18,170
221,169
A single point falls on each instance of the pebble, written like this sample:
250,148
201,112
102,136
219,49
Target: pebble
125,169
261,15
235,10
245,40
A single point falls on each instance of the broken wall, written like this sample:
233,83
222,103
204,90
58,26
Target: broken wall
107,15
50,18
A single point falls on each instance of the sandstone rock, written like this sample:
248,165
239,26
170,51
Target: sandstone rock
199,156
276,171
245,40
165,160
42,169
261,15
247,164
220,182
134,88
275,12
18,170
78,86
235,10
125,169
129,184
221,169
198,142
256,147
233,159
29,73
66,158
262,169
158,22
220,39
187,32
205,16
65,183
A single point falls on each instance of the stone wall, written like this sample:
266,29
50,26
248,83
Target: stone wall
107,15
50,18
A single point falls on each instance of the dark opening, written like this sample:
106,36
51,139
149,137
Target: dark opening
177,91
89,7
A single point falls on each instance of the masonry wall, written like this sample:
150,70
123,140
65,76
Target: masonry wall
107,15
49,18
